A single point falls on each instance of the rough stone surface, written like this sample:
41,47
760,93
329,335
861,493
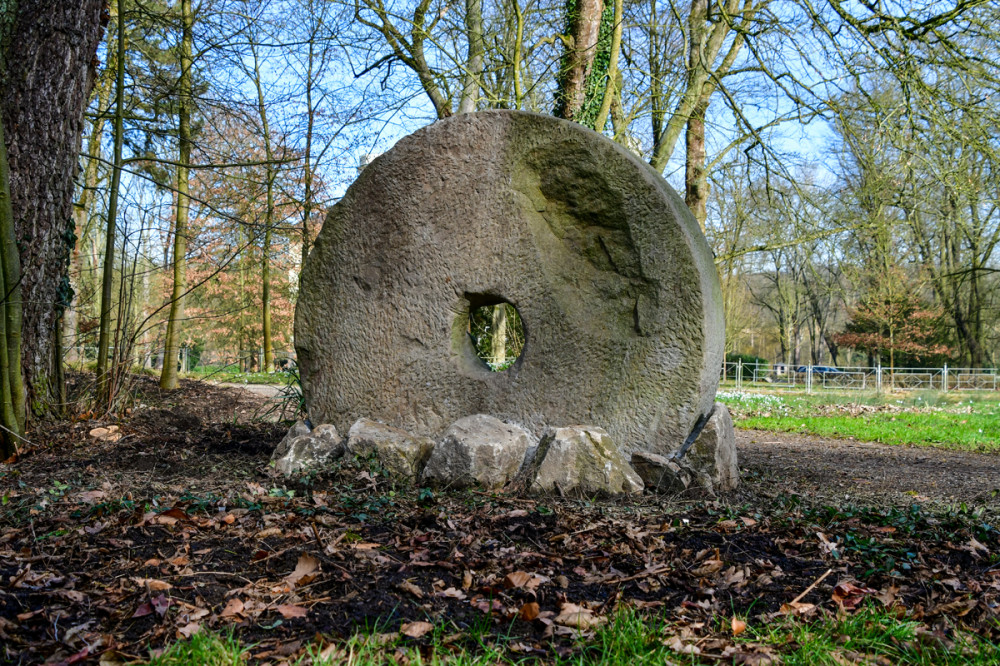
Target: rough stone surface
712,457
661,474
614,281
401,454
582,461
298,429
479,450
311,451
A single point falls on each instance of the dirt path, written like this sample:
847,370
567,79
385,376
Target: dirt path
265,390
843,469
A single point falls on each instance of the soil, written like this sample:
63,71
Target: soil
837,470
119,547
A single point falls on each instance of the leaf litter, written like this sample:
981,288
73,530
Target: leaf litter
114,546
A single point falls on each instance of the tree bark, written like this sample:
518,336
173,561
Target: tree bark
83,207
499,340
168,377
695,175
583,21
612,87
270,173
46,80
104,339
474,60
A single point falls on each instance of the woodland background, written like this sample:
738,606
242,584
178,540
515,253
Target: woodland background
840,156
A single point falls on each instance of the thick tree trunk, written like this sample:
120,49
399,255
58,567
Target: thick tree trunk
46,83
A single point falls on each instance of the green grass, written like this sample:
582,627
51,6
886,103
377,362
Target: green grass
635,640
233,376
953,421
206,648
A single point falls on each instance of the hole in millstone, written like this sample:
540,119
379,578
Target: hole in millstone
497,334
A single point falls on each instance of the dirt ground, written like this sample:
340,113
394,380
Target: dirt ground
837,470
116,548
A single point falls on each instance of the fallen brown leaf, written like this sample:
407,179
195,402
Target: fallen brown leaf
289,611
516,579
529,611
416,629
233,608
407,586
578,617
305,571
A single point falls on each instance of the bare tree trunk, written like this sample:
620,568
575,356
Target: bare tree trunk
499,340
168,376
12,411
583,21
46,78
695,176
104,339
308,175
474,61
270,171
82,209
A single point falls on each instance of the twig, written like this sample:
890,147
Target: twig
319,539
810,588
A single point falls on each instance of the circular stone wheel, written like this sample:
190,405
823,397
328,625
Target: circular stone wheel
614,281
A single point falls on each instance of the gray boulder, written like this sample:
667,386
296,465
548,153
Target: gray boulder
582,461
401,454
613,279
661,474
311,451
298,429
479,450
712,457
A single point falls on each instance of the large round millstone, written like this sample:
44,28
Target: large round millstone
614,281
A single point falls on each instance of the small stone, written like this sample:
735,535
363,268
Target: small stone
401,454
311,451
477,449
582,461
712,457
298,429
661,474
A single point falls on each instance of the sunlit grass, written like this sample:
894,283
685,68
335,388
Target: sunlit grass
956,421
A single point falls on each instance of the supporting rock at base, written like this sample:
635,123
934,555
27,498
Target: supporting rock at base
400,454
480,450
582,461
310,451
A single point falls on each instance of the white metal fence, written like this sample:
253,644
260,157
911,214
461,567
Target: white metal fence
860,378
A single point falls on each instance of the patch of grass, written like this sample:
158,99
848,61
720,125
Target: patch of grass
231,375
872,635
952,421
959,432
201,649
